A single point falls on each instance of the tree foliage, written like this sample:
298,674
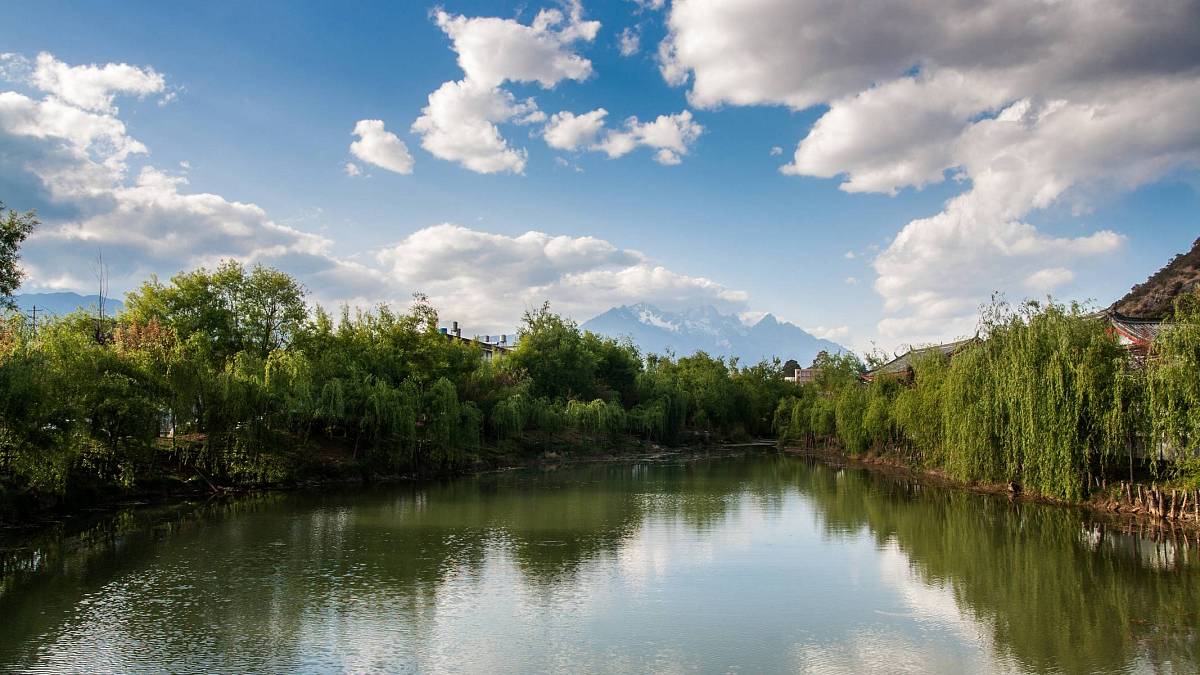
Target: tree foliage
14,228
1047,399
228,376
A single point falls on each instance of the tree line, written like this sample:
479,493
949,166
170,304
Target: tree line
228,377
1047,399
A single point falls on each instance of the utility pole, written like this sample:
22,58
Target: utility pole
33,317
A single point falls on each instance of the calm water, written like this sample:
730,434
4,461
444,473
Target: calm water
739,564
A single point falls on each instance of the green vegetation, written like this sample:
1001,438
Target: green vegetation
226,377
14,228
1047,399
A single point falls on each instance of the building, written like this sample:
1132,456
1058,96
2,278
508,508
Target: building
802,375
902,366
1135,335
491,345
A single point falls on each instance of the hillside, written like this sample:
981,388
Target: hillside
1154,298
705,328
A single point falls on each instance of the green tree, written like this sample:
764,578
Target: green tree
233,310
553,352
14,228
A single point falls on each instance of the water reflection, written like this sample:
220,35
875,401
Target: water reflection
754,563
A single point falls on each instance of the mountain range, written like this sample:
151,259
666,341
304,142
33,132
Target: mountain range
705,328
59,304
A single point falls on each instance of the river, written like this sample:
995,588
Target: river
751,563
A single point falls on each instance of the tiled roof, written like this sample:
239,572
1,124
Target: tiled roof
902,363
1136,330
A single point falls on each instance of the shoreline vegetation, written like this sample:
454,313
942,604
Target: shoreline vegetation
227,379
1046,404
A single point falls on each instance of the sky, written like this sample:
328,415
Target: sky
871,173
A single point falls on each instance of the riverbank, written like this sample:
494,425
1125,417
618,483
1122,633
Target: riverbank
332,466
1138,504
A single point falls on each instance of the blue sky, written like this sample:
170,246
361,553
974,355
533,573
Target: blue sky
264,97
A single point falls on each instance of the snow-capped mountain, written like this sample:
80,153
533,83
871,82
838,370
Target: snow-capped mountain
705,328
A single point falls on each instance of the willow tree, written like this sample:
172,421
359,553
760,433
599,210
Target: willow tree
917,410
1174,390
1032,404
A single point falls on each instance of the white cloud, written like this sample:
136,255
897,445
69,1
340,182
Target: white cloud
90,87
489,279
776,151
1028,103
629,42
75,164
850,255
351,169
567,131
1048,279
671,135
459,125
851,281
460,122
492,51
72,165
380,147
831,333
938,270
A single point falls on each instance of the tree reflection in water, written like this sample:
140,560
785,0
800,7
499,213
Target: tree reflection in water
278,581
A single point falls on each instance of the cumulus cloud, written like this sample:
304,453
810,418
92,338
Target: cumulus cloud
567,131
1027,103
380,147
460,123
492,51
87,87
74,165
351,169
629,41
492,278
671,135
1046,280
776,151
72,162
